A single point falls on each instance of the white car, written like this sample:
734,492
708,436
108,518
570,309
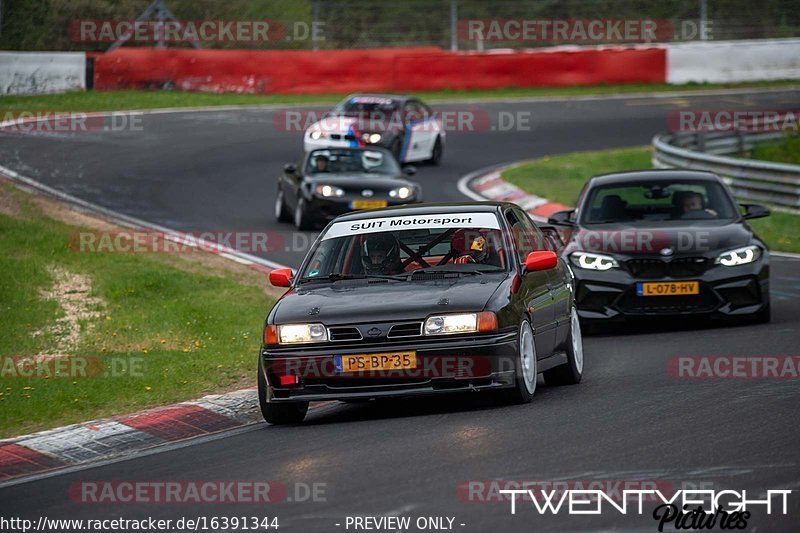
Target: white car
403,124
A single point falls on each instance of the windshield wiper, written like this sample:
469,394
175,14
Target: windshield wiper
340,277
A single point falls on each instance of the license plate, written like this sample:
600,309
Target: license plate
369,204
670,288
375,361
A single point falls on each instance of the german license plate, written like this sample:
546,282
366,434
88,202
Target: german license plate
668,288
375,361
369,204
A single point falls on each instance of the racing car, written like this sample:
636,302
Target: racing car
424,299
332,181
660,243
402,124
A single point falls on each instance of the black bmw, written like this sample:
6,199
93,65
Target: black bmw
331,181
420,300
665,242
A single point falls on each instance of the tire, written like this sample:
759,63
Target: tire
436,153
301,219
526,366
278,413
281,213
571,372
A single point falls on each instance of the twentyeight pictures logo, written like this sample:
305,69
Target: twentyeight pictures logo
684,509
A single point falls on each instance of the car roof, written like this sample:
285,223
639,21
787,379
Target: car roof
426,209
652,175
395,97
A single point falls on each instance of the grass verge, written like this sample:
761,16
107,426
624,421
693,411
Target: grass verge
785,150
138,330
560,179
119,100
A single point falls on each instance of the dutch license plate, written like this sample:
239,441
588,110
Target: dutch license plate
375,361
369,204
668,288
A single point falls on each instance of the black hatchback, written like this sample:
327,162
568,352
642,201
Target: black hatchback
415,300
665,242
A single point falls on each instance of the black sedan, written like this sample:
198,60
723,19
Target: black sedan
665,242
331,181
414,300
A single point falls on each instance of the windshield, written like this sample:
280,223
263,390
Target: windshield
661,200
367,105
459,244
351,161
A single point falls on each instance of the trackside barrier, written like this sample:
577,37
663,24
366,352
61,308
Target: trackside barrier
392,69
749,179
42,72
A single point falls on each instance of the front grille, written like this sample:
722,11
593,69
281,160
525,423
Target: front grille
412,329
344,333
681,267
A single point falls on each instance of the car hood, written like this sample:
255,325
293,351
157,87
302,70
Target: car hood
344,124
359,180
350,302
695,238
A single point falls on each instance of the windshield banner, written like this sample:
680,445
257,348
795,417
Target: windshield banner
436,220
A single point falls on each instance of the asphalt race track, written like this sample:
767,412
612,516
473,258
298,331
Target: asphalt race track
630,420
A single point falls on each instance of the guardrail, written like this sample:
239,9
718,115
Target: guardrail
749,179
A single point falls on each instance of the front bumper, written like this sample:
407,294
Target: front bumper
443,365
725,292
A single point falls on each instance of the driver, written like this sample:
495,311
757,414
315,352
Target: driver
380,254
321,164
692,202
469,246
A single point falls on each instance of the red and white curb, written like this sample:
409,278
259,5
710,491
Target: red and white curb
489,185
125,435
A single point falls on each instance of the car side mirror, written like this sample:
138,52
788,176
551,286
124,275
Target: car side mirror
754,211
409,170
562,218
290,168
281,277
541,260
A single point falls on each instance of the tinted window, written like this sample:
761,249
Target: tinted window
657,200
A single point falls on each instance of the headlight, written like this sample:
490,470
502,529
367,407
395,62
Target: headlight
372,138
328,190
302,333
402,193
592,261
463,323
317,135
739,256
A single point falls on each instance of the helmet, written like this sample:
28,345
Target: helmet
469,245
384,250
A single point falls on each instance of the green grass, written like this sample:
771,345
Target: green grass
111,100
190,330
560,179
786,150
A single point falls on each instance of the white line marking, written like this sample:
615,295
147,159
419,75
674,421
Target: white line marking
129,221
